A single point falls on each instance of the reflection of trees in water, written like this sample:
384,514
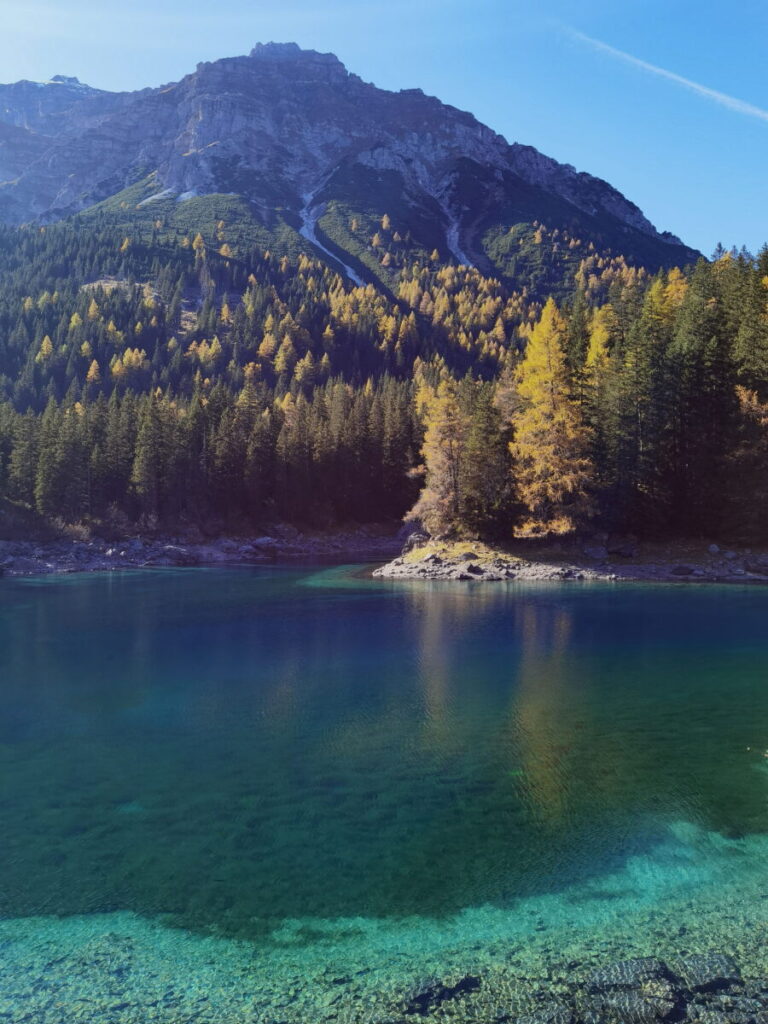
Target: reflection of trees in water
437,666
542,710
631,733
66,656
444,617
445,746
580,743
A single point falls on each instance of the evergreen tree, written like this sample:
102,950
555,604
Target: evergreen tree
149,461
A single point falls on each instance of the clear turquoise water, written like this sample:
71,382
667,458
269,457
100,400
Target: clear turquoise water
290,793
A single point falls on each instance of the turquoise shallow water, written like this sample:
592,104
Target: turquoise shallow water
288,794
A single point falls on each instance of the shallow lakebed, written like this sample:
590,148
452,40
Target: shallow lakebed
291,794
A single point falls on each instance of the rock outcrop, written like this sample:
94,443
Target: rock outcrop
616,559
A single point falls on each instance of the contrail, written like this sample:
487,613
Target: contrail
731,102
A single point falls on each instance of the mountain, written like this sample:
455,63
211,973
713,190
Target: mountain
299,150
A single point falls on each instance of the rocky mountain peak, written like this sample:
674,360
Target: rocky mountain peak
285,51
66,80
273,50
291,130
292,53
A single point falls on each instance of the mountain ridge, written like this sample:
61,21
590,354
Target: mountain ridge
310,144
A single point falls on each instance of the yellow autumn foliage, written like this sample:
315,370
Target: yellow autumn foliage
553,471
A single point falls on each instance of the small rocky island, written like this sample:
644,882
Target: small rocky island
601,557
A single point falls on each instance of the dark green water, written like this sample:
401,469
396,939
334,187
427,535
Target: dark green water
228,751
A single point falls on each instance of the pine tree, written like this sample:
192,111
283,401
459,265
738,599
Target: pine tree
703,407
750,350
636,418
22,464
149,461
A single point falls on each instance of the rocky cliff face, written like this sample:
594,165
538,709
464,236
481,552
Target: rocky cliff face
289,129
45,107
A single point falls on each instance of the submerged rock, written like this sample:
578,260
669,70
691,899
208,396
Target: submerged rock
424,998
707,971
701,988
627,973
640,991
631,1007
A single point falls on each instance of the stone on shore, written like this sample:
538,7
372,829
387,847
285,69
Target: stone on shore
757,565
172,554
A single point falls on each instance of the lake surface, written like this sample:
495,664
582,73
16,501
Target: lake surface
290,794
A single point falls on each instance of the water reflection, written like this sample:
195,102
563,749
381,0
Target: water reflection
233,748
542,707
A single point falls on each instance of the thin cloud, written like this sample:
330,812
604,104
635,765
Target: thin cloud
721,98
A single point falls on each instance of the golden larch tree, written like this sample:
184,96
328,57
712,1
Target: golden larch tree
553,471
439,504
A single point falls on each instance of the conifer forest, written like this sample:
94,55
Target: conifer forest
158,377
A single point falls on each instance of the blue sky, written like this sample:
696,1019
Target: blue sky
666,99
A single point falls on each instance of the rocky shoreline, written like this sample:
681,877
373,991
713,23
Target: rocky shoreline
32,558
418,558
623,560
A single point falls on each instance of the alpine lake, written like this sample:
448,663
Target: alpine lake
291,794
